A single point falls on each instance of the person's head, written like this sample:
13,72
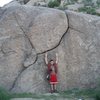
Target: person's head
51,61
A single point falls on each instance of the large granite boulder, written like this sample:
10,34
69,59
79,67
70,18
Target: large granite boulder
79,54
25,32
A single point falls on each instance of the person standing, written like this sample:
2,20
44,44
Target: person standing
52,72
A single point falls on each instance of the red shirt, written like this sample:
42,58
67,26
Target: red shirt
49,67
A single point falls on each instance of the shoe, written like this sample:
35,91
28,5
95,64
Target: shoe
51,91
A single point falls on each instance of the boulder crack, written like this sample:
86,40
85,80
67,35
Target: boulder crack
59,40
20,72
24,31
33,47
23,69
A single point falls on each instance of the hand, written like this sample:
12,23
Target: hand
56,58
56,54
46,54
46,59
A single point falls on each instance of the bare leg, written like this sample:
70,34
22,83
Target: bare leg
51,87
55,87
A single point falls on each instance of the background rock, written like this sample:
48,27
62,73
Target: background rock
12,3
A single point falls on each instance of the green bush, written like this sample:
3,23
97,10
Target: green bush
88,10
88,2
98,2
59,1
53,3
97,93
97,97
62,8
91,11
4,95
73,1
98,14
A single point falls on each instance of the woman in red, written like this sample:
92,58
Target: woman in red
52,71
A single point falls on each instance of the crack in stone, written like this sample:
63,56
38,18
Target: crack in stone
16,79
59,40
14,83
94,23
5,53
70,26
14,14
34,62
5,38
33,47
2,50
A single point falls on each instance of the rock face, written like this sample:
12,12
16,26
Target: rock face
26,32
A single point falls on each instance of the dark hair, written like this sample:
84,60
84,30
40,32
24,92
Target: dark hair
51,60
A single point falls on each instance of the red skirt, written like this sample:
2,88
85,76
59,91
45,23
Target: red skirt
53,78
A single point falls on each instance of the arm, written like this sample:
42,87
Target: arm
56,65
46,61
56,58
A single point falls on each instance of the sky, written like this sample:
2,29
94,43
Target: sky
3,2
